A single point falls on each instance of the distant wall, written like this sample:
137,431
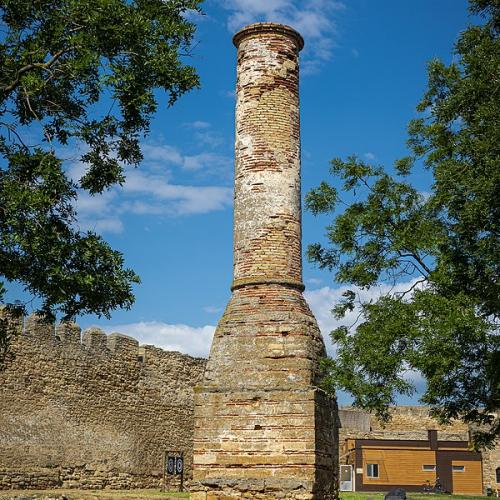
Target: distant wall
491,462
407,422
94,413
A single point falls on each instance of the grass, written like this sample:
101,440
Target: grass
411,496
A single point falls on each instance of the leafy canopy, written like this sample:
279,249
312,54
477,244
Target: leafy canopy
444,245
79,74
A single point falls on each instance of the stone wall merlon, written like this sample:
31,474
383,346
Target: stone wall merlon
123,344
39,330
68,332
95,339
39,326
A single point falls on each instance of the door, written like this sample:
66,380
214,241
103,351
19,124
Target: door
346,478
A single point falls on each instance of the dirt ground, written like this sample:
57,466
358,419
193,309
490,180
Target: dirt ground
89,495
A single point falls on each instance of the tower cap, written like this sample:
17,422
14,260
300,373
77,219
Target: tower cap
262,28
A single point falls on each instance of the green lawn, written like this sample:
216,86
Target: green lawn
412,496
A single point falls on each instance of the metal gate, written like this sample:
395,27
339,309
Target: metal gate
346,478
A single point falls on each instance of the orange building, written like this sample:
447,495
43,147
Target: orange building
383,464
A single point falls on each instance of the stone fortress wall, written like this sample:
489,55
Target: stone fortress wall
99,411
91,412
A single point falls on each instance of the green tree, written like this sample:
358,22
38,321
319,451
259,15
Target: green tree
81,74
445,244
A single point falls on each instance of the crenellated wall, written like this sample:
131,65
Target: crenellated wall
91,413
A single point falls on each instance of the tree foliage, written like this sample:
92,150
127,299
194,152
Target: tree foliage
79,74
444,244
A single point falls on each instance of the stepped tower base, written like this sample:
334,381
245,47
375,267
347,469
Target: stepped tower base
262,428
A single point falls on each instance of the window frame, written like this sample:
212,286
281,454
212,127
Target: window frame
458,468
427,469
368,470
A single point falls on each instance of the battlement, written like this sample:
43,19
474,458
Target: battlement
36,329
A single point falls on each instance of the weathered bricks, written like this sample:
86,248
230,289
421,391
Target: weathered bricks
263,429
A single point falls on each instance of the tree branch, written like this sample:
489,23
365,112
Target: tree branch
402,294
29,67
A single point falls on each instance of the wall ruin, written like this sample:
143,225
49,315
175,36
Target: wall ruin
100,413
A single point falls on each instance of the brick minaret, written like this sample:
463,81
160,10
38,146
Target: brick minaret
261,424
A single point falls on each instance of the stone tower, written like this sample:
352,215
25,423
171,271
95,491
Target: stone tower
263,429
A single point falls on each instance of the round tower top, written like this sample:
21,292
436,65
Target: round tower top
271,28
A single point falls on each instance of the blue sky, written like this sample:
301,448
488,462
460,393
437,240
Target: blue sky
363,72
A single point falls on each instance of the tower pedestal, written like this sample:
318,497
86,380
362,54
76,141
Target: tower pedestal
262,427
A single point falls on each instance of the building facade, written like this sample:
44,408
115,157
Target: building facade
413,451
415,465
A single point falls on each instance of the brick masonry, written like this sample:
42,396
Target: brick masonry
91,414
263,429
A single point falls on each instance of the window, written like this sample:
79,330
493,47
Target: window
458,468
498,474
429,467
372,470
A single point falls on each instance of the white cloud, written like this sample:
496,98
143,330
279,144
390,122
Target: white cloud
181,338
147,194
102,225
314,19
210,139
149,190
76,170
369,156
314,281
183,200
322,301
199,124
164,153
97,204
95,213
209,163
205,161
213,309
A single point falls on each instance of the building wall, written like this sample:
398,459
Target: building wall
407,422
399,467
468,482
411,423
401,464
94,414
